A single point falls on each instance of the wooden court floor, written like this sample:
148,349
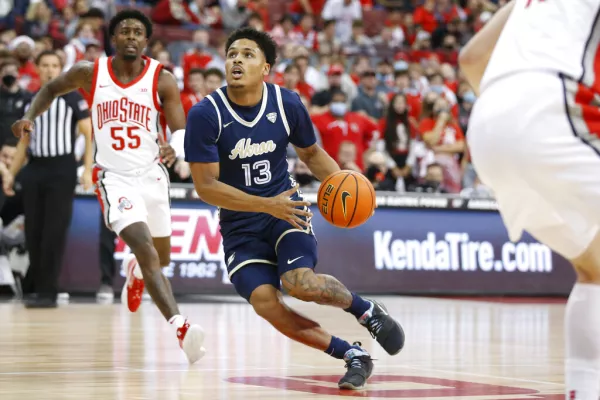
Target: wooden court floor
455,349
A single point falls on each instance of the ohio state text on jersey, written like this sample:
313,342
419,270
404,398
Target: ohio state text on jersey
125,117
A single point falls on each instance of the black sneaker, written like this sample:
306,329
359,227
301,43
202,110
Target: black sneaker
384,328
360,366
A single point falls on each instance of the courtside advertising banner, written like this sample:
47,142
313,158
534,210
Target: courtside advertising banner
407,247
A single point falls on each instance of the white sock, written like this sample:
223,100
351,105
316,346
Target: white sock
177,321
582,356
137,271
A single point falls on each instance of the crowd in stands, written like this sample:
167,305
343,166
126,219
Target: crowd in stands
379,77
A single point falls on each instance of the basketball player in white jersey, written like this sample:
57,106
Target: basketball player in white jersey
128,92
534,136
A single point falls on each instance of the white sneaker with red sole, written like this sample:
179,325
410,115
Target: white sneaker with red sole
132,292
191,338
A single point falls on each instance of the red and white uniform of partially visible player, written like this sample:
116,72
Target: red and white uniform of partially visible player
531,99
131,183
534,136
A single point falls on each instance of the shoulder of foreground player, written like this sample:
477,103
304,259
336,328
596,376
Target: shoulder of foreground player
202,112
292,105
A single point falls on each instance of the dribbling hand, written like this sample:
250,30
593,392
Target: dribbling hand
283,207
22,127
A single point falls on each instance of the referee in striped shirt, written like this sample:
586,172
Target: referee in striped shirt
48,183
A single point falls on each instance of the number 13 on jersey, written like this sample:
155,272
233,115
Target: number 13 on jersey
264,172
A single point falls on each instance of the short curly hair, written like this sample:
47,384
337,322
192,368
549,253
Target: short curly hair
130,14
264,41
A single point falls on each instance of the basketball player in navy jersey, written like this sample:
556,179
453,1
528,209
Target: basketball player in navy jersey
235,142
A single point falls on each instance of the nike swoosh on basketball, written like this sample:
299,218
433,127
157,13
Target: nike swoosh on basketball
345,195
227,124
295,259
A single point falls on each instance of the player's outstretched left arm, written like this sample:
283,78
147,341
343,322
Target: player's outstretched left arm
168,92
79,76
474,57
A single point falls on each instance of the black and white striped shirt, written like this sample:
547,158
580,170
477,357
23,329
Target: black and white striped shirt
55,130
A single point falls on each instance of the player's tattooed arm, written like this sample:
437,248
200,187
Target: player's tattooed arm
318,161
304,284
79,76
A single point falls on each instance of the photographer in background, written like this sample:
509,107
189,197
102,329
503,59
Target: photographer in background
12,98
379,173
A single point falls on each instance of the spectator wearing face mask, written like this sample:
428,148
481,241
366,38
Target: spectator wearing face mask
437,84
338,125
75,50
12,98
335,79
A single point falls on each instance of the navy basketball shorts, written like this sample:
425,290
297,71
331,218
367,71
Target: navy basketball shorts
262,256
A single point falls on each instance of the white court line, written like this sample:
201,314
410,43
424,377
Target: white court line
244,369
460,372
482,375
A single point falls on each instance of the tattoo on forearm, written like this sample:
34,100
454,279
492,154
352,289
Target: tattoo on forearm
321,289
40,103
81,75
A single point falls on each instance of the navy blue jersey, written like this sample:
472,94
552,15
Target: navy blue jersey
249,143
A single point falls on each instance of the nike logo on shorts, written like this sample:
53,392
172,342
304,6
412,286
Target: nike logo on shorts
295,259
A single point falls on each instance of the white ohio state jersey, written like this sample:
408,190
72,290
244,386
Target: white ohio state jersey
125,117
551,35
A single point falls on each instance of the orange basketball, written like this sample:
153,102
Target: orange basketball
346,199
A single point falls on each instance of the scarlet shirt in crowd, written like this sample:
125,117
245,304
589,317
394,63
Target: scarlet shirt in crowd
28,77
426,19
188,99
452,132
354,127
194,59
169,12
